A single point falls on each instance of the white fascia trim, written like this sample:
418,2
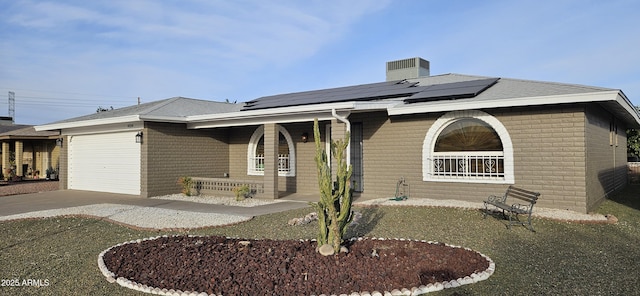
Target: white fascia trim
449,105
105,128
171,119
628,106
269,112
86,123
282,115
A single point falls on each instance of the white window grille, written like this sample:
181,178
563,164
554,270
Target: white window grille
485,166
467,165
258,164
256,158
283,163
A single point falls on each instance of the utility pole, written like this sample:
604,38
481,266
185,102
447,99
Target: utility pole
12,106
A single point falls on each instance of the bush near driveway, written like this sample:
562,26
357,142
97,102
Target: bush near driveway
559,259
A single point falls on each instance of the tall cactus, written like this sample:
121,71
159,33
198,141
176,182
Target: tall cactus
334,207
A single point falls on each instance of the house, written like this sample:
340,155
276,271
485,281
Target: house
449,136
27,153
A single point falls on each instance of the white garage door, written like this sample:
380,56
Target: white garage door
107,162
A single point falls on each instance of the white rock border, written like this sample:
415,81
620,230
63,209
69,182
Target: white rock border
470,279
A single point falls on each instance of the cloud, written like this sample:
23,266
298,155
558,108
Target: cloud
159,49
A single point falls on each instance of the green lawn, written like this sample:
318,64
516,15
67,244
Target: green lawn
559,259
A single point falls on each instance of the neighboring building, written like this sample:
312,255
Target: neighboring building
27,153
450,136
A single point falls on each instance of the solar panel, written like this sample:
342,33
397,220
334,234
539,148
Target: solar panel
376,91
455,90
364,92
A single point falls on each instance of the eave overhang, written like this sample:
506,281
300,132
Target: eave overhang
291,114
615,101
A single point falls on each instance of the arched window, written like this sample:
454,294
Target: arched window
286,153
468,146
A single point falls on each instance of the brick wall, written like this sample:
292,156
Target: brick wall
171,150
606,155
238,144
63,174
305,181
549,155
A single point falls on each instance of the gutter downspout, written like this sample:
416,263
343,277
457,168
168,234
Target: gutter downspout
348,124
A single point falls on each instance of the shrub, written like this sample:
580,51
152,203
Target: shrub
186,183
241,192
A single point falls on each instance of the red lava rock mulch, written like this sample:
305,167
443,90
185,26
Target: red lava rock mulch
219,265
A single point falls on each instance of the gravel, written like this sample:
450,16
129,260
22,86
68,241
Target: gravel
139,217
158,218
217,200
555,214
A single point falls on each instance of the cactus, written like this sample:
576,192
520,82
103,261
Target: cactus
334,207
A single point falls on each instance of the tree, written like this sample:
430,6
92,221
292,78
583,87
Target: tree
334,207
633,140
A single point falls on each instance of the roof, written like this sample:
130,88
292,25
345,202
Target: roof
425,89
439,93
11,127
508,92
27,132
175,109
363,92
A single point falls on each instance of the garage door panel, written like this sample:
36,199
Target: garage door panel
105,162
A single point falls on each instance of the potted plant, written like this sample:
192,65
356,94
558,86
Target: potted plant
52,174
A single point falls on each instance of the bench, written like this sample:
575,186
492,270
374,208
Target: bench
516,201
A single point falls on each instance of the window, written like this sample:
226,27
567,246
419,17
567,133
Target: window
256,158
468,146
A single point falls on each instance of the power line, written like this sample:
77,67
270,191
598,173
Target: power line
66,92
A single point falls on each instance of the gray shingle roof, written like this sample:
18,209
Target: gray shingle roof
509,88
177,107
439,87
368,92
27,131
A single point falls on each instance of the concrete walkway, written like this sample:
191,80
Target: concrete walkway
60,199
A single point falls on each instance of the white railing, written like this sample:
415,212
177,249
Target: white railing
283,163
467,165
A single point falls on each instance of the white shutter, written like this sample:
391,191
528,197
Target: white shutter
108,162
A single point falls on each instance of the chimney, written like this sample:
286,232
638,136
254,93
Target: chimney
407,69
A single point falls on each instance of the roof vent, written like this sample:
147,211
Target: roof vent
407,69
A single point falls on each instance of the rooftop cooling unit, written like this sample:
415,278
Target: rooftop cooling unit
407,69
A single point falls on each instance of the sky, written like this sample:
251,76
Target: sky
64,59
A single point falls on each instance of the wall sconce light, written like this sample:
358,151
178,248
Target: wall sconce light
305,137
59,142
139,137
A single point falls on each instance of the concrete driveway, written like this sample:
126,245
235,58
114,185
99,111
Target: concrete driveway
24,203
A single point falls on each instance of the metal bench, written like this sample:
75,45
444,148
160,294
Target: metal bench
523,205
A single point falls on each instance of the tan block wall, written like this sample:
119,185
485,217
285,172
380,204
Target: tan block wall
238,144
548,145
63,174
304,182
170,151
306,179
549,153
606,159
